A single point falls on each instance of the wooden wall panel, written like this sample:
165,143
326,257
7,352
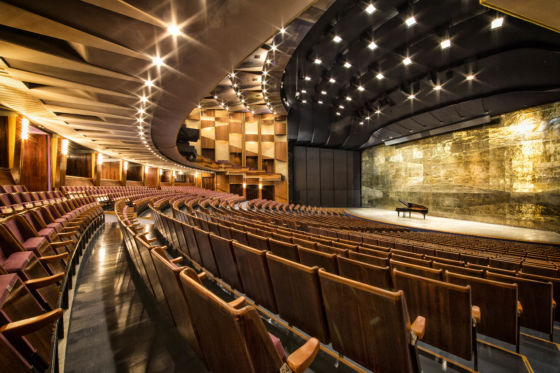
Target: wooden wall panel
34,168
222,133
280,128
152,177
134,172
281,151
4,149
79,165
207,143
111,171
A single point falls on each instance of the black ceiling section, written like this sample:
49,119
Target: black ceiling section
484,71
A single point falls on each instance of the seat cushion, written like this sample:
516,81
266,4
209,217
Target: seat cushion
17,261
34,243
278,346
7,282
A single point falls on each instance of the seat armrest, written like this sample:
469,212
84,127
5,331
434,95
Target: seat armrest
418,327
553,304
238,303
519,308
61,243
29,325
44,281
176,260
301,359
53,258
476,314
202,276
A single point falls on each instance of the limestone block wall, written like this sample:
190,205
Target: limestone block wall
506,172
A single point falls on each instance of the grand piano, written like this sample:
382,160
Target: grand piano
410,208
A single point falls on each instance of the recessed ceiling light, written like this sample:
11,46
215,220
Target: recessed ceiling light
372,45
174,30
317,61
407,61
411,96
282,30
380,76
337,39
497,22
445,44
273,47
323,92
149,83
303,91
143,99
341,106
361,123
470,77
437,87
265,73
332,80
307,77
348,98
410,21
368,117
347,65
141,111
370,9
158,61
378,111
320,102
199,106
361,88
338,113
304,101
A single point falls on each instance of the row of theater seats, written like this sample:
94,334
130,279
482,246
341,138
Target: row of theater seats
13,188
39,250
491,286
226,335
293,208
539,288
324,305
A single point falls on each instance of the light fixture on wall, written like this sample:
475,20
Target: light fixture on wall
260,185
125,165
99,159
147,168
24,129
64,147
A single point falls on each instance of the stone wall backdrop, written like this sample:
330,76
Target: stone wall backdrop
506,172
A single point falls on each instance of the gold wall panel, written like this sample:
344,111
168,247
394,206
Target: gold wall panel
507,172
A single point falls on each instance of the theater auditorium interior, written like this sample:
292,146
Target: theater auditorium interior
280,186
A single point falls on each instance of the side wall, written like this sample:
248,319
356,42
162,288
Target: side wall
507,172
325,177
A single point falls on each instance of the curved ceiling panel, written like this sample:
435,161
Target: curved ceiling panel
371,72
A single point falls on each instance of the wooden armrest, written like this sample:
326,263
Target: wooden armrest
53,258
418,327
44,281
61,243
26,326
238,303
519,308
553,304
476,314
67,234
301,359
202,276
176,260
150,240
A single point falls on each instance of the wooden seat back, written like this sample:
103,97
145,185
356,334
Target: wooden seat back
168,274
192,247
536,299
368,324
555,289
255,277
367,273
148,263
257,242
225,260
205,249
331,250
304,243
284,249
435,274
371,259
457,269
239,235
313,258
298,295
446,307
411,260
498,305
230,339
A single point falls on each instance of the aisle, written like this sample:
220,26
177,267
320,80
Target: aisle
115,325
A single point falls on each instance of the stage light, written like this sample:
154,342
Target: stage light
317,61
411,96
320,102
445,44
338,113
323,92
407,61
372,45
370,9
307,78
337,39
348,98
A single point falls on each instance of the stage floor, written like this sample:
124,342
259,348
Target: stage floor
457,226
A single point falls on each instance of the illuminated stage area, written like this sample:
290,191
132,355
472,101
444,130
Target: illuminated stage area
456,226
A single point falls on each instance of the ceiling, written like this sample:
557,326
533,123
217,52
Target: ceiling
79,68
467,64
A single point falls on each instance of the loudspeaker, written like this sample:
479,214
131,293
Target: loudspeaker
184,136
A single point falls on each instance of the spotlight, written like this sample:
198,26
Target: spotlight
497,23
307,78
347,65
317,61
282,30
174,30
407,61
379,76
470,77
370,9
143,99
141,111
348,98
372,45
411,96
149,83
445,44
332,80
437,87
337,39
410,21
158,61
361,88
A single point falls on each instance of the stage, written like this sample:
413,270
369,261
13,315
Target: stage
473,228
